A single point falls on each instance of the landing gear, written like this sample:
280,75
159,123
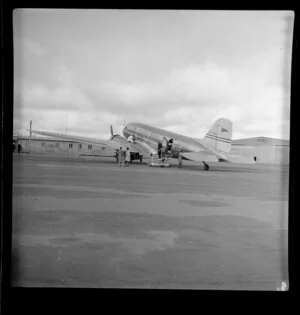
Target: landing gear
206,166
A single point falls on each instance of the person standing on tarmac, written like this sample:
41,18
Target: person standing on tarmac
179,160
120,156
19,148
150,159
127,157
159,148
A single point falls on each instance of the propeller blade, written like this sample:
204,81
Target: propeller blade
111,131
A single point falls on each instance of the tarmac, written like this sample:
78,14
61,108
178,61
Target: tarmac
86,222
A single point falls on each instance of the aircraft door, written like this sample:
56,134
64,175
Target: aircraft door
175,148
164,144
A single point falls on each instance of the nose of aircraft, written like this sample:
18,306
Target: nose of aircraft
124,133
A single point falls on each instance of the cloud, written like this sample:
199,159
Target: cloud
28,47
200,82
176,70
40,97
185,97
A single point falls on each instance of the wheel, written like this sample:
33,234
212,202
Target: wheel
206,167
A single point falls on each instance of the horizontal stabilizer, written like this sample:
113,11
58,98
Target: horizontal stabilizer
200,156
231,158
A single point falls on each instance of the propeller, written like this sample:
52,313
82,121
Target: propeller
112,133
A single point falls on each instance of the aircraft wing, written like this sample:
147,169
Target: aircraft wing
233,158
114,144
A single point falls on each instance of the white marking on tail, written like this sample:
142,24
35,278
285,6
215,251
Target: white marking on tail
219,135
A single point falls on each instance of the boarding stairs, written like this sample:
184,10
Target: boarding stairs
156,161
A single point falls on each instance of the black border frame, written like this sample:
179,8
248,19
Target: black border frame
33,299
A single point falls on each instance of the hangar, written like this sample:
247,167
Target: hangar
53,146
262,149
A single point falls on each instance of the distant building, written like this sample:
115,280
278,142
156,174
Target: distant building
53,146
263,149
15,139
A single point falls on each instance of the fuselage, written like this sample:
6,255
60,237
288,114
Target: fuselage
152,135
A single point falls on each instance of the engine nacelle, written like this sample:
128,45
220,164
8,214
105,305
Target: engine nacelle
120,139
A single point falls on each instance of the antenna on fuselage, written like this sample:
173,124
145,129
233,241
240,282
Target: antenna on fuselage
30,128
30,135
67,125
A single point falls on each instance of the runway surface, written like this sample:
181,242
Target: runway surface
90,223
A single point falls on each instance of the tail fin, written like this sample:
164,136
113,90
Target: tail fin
219,135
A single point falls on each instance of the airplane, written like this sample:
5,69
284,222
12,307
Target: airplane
144,139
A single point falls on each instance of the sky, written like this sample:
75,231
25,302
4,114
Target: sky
80,71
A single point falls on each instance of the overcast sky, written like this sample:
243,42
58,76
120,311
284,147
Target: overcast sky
179,70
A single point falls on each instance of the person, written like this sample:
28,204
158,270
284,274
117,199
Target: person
159,147
120,156
179,160
127,157
169,146
150,160
19,148
124,156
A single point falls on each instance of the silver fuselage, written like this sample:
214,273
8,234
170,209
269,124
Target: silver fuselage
152,135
